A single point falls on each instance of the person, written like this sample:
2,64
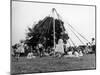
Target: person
72,52
86,49
49,50
80,53
76,54
17,52
30,55
21,48
65,49
60,46
40,47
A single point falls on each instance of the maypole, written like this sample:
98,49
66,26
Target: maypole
53,9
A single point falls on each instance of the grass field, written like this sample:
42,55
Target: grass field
51,64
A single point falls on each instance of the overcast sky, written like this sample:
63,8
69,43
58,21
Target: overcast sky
25,14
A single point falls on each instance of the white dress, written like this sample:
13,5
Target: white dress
76,54
59,46
80,53
30,55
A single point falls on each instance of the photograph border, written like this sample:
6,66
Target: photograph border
58,4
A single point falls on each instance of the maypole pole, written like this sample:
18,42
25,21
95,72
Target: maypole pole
53,9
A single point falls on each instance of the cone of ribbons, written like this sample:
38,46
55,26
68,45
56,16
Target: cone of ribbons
40,37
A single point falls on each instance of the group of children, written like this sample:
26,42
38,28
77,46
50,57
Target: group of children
60,50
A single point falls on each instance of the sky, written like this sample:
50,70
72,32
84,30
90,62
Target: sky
25,14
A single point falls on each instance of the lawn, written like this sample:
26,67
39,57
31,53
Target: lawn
51,64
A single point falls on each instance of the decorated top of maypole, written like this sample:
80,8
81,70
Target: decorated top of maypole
50,28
